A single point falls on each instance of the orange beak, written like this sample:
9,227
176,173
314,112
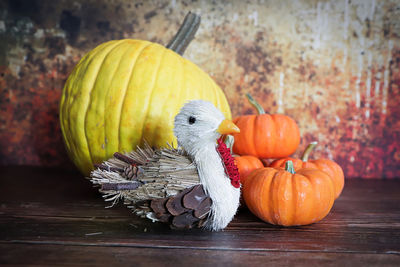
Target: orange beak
228,127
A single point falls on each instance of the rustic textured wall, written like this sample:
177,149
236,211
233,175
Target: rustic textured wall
334,66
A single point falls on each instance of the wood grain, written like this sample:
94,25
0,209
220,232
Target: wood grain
48,214
115,256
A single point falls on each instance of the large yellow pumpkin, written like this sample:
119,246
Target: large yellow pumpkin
126,91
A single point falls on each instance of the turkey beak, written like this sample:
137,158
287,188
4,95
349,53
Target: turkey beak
228,127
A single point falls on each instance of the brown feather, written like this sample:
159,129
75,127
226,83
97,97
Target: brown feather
169,186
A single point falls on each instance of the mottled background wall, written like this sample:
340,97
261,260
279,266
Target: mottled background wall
334,66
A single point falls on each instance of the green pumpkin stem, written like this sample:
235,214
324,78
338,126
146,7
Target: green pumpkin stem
289,167
185,33
255,104
308,150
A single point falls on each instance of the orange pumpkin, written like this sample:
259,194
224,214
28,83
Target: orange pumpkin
246,164
265,135
326,165
283,197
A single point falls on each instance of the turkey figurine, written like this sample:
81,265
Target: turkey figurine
194,185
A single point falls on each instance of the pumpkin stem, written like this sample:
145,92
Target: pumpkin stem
185,33
308,150
289,167
255,104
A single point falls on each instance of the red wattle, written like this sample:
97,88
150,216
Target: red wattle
229,163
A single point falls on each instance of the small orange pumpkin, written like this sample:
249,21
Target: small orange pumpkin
283,197
265,135
326,165
246,164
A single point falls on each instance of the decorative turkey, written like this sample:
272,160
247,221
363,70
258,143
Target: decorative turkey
196,185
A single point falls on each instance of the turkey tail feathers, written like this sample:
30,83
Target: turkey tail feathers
162,185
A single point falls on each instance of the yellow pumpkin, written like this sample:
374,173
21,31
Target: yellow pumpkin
124,92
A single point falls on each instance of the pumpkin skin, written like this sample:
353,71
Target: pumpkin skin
246,164
266,136
330,167
124,92
279,197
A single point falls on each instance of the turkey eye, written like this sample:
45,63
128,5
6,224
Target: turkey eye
192,120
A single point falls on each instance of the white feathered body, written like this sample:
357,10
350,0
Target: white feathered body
218,186
199,140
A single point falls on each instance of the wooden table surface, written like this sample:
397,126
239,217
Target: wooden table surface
55,217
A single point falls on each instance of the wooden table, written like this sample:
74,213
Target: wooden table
55,217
